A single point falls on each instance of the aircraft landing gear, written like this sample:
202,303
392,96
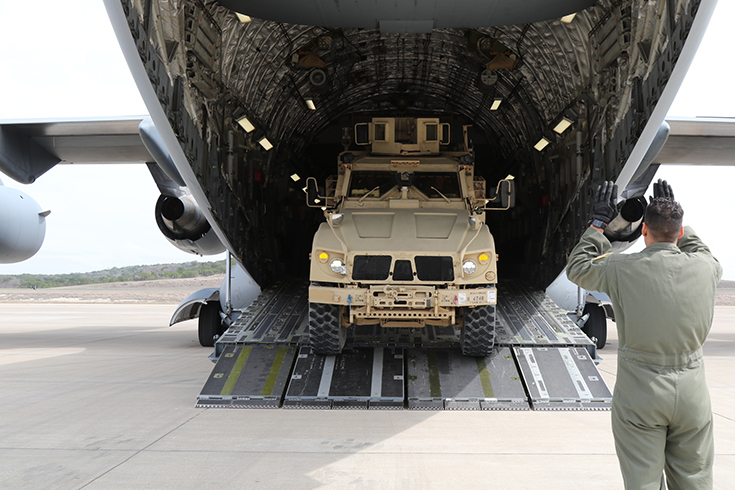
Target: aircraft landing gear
210,323
596,326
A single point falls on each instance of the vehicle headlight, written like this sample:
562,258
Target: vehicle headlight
469,267
337,219
338,267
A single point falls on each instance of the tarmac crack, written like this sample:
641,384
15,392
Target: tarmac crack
724,416
136,453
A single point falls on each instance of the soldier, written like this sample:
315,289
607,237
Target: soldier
663,298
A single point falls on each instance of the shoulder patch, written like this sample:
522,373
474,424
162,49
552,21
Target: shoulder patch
602,256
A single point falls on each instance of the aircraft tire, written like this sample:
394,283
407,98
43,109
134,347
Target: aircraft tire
326,333
477,336
596,326
210,323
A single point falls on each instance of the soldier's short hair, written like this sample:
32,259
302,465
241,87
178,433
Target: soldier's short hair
664,217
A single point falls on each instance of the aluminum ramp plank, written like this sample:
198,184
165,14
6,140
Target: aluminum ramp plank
359,378
562,378
248,376
256,354
278,315
440,379
532,318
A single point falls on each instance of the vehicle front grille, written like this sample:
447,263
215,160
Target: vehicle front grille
371,267
434,268
403,271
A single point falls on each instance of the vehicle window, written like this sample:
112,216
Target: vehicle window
364,182
445,182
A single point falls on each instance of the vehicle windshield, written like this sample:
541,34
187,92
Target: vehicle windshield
431,182
376,184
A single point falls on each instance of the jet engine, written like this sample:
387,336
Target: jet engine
182,222
627,226
22,225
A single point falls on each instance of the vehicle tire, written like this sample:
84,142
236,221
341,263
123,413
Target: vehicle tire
596,326
210,323
477,336
326,333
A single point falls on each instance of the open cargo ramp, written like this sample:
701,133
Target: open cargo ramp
541,361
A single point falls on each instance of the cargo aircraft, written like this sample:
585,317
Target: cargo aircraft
248,98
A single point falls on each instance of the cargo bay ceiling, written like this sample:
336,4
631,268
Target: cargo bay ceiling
299,85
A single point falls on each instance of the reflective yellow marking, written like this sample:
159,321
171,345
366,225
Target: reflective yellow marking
435,386
601,256
236,371
487,386
270,382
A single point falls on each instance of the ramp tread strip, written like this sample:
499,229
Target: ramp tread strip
531,318
582,389
274,317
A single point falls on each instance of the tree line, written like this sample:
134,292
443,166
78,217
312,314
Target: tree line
116,274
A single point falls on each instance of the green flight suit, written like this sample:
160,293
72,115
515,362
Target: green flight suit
663,298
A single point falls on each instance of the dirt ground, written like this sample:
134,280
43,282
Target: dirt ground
163,291
173,291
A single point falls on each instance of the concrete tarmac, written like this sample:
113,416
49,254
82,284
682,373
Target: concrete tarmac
102,396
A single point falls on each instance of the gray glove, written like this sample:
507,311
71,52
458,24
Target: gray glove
605,208
662,189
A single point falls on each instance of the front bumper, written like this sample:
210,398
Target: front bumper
402,306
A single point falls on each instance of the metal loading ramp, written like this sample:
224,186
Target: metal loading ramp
541,361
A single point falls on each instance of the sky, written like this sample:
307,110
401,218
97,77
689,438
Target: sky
61,59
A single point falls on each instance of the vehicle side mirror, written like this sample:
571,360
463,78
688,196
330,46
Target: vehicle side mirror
313,200
507,193
504,196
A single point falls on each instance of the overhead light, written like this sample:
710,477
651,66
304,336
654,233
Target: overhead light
246,124
310,104
563,125
542,143
496,103
295,177
265,143
568,18
243,18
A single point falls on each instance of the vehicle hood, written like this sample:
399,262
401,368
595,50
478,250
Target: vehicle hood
405,230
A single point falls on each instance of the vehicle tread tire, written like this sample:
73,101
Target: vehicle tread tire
326,334
477,337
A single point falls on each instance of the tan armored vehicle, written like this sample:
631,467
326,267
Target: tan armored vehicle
405,242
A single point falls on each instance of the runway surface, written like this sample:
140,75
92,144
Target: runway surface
102,396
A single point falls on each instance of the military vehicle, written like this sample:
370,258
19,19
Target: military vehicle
405,243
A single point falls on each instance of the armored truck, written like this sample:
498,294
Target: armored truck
404,243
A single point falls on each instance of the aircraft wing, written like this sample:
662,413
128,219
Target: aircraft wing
699,141
29,148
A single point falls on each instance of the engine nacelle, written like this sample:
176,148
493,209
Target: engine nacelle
627,225
22,225
184,225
